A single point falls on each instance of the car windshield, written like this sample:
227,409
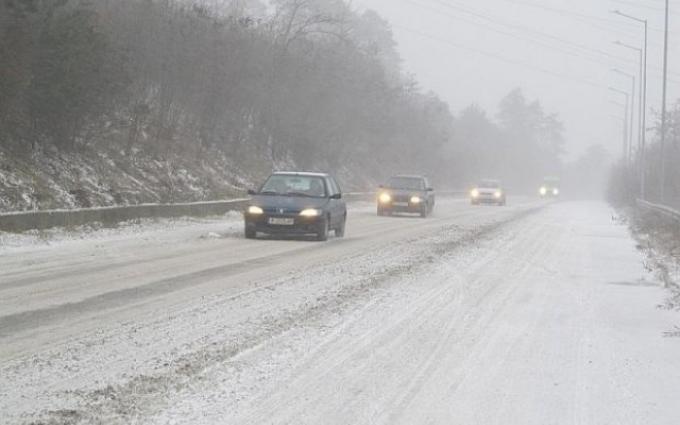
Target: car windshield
490,184
294,185
409,183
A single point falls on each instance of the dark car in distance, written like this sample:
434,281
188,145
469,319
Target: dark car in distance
406,194
296,203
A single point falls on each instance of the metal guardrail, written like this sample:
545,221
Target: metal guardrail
660,209
39,220
22,221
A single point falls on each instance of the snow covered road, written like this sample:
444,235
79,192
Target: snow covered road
530,314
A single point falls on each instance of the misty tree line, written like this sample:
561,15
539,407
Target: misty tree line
304,81
521,145
626,181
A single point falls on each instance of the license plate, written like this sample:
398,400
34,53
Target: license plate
281,221
401,204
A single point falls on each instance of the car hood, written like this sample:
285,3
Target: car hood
287,202
487,190
404,192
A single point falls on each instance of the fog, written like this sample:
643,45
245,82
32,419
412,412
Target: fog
338,212
560,52
364,89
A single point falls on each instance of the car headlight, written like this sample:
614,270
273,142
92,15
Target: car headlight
543,191
255,210
415,199
497,194
556,191
474,193
310,212
384,198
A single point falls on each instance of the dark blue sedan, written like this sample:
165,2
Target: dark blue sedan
293,203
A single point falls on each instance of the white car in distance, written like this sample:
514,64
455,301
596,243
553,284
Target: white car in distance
488,191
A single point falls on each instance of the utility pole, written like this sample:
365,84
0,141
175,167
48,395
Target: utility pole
663,109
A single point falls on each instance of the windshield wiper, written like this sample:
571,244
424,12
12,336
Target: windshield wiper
306,195
269,192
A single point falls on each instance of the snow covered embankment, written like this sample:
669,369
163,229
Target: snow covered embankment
658,237
105,176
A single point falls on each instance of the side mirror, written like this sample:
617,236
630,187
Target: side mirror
430,189
251,192
381,186
336,196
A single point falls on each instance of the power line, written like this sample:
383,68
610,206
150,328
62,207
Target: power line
563,12
465,9
616,25
659,9
579,47
501,58
578,50
505,59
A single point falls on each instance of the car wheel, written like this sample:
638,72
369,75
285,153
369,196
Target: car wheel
423,212
250,233
340,230
381,212
324,228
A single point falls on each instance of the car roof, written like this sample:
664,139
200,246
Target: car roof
300,173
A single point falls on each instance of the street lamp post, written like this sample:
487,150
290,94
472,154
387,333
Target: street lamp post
663,109
623,120
629,153
625,124
641,79
644,102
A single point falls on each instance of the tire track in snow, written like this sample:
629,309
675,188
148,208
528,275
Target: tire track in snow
433,306
186,370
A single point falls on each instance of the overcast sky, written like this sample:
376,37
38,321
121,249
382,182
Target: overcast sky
558,51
